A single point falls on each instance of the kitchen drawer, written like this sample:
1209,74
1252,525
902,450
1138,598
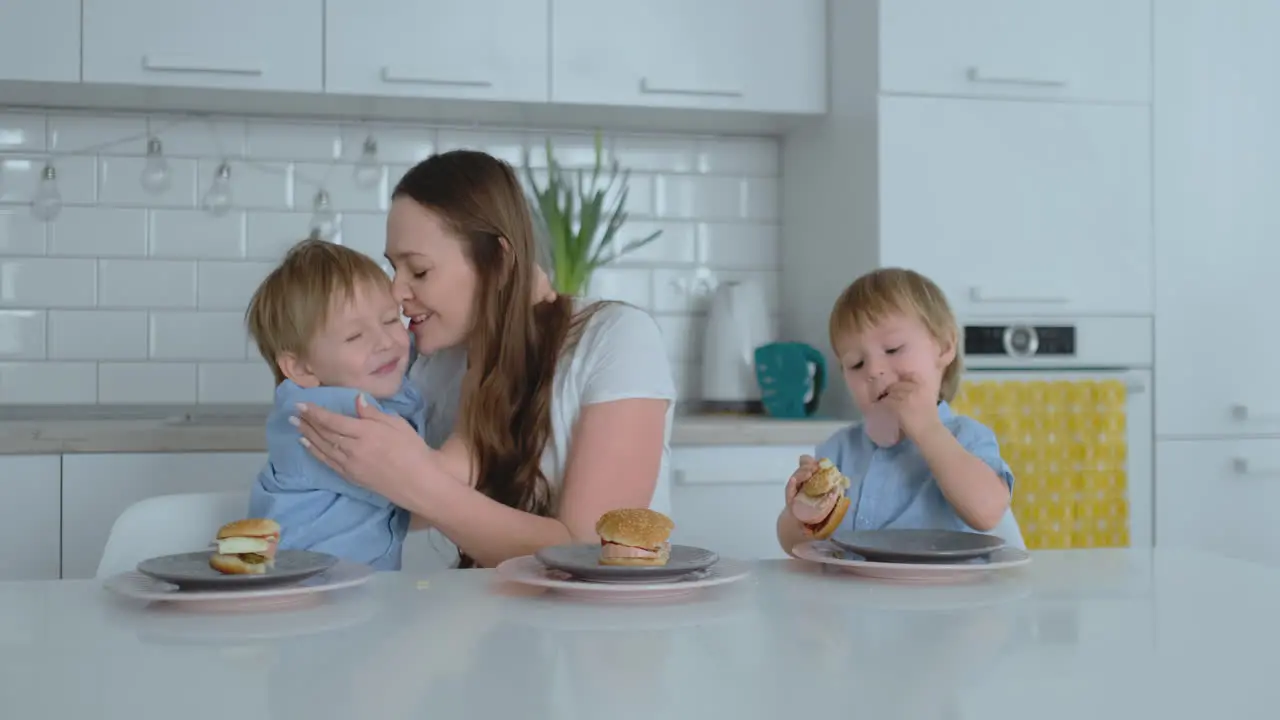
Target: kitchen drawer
429,48
231,44
40,40
1080,50
1220,496
1024,200
758,55
30,515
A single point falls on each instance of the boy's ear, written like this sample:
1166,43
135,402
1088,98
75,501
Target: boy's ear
949,349
294,368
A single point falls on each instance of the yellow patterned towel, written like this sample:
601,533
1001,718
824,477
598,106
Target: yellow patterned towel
1065,441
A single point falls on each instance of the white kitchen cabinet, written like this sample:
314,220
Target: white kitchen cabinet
30,512
727,498
1020,207
758,55
231,44
479,49
96,488
1217,160
1077,50
1219,496
40,40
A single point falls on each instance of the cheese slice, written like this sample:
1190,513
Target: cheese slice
240,545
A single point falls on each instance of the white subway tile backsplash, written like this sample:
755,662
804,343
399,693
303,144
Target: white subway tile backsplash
22,335
146,283
75,176
197,336
738,246
229,285
295,141
97,334
129,297
146,383
48,282
20,233
21,131
99,232
195,234
120,183
48,383
268,235
235,383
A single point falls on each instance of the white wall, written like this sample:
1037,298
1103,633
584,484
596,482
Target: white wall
129,297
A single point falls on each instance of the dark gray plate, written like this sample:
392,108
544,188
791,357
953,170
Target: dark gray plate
191,571
898,546
583,562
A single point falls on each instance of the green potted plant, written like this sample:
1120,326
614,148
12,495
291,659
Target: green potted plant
580,222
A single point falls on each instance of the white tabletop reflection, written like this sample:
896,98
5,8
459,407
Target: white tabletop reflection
1078,634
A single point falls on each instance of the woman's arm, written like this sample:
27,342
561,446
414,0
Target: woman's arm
615,456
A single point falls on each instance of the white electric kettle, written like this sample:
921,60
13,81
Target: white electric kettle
738,322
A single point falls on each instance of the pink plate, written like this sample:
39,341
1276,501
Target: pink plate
831,555
136,586
527,570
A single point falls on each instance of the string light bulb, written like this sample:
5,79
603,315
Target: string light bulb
368,171
217,199
47,202
324,221
155,176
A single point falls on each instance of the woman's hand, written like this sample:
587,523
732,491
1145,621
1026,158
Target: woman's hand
377,450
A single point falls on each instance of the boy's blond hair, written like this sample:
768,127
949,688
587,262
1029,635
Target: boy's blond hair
890,291
293,302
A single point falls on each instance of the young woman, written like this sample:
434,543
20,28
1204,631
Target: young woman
555,409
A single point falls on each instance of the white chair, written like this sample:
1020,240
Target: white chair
166,525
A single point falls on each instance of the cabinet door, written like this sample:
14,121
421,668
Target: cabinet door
1019,208
1219,496
481,49
1096,50
40,40
29,517
231,44
727,498
1217,158
96,488
760,55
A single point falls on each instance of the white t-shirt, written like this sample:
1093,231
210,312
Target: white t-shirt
621,355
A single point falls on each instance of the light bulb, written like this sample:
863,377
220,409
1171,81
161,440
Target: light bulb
324,221
217,199
47,202
155,177
368,172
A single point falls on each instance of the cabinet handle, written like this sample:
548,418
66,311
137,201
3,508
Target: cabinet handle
647,89
389,75
978,296
157,64
1241,413
975,75
1241,467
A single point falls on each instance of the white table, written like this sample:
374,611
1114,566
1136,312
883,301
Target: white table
1086,635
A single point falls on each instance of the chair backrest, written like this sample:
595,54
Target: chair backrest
166,525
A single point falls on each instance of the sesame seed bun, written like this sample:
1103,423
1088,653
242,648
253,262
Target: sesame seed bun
825,479
828,527
252,527
635,527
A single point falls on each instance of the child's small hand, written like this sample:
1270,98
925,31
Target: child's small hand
914,403
808,465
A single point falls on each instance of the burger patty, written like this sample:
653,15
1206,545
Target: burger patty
253,558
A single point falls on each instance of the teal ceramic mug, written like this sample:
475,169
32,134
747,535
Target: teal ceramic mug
791,376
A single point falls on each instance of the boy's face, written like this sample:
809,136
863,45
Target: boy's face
896,348
363,345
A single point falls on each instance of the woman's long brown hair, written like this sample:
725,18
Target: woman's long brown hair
515,342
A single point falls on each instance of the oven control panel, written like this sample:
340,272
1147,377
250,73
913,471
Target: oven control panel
1019,340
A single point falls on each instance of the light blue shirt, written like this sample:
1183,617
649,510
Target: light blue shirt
893,487
317,509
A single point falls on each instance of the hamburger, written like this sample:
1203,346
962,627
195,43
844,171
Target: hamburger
634,536
246,547
820,502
